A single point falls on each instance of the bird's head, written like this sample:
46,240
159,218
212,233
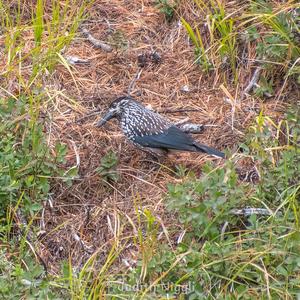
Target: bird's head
116,109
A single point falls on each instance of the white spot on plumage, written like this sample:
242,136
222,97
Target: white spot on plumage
138,121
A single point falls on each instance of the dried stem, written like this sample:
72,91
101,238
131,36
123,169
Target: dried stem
97,43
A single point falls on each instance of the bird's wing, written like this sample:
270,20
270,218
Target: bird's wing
171,138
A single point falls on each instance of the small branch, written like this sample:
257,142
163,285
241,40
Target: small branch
127,264
97,43
76,154
78,239
181,236
173,111
73,60
252,82
92,113
42,222
132,83
88,215
223,230
248,211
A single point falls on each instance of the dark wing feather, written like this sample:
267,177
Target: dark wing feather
176,139
171,138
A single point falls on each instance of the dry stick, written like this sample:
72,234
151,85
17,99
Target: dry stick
173,111
223,230
252,82
132,83
78,239
248,211
97,43
92,113
181,236
73,60
76,154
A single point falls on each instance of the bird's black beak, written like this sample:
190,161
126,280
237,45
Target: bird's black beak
109,115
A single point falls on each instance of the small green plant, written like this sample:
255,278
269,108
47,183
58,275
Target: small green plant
107,168
196,201
31,283
168,8
26,163
88,283
265,88
222,253
222,40
26,167
201,54
182,171
221,48
35,34
275,30
47,32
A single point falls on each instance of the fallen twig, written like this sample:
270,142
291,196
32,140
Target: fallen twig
92,113
181,236
132,83
248,211
72,60
97,43
172,111
223,230
76,154
252,82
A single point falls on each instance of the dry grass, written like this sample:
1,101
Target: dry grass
98,213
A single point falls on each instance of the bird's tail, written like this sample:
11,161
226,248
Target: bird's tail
209,150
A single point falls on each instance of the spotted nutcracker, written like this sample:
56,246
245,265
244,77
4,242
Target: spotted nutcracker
150,131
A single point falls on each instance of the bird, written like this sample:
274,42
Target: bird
150,131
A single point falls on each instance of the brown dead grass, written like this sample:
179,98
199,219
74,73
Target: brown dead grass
91,209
